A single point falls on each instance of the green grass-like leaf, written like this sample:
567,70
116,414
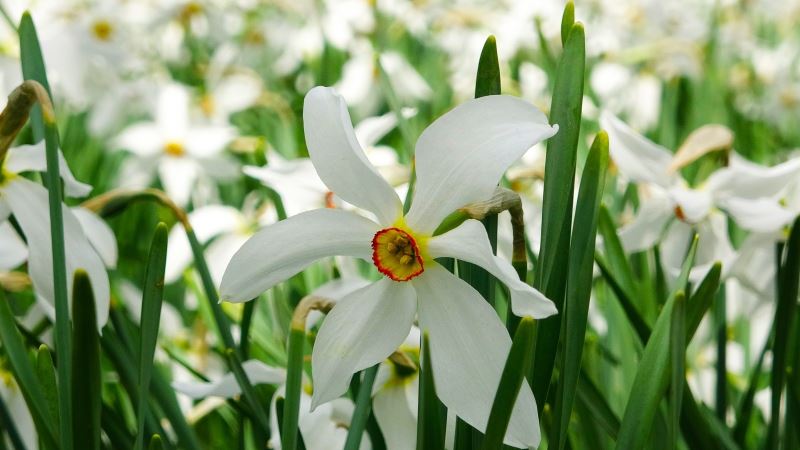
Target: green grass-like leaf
652,376
358,422
785,311
551,278
294,381
33,68
579,284
430,412
24,373
517,366
86,372
152,297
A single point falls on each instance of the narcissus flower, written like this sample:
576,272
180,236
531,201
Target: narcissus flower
460,159
29,204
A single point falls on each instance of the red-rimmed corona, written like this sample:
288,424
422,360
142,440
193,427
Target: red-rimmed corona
397,254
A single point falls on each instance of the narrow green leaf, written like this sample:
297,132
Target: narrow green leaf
46,372
652,377
559,184
638,323
590,396
567,20
152,297
294,381
517,366
33,68
430,429
788,284
701,300
155,443
615,254
361,413
579,285
86,372
24,373
487,81
677,349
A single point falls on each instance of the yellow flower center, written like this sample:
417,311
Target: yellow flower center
102,30
398,254
207,105
174,148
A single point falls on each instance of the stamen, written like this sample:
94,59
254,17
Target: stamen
396,254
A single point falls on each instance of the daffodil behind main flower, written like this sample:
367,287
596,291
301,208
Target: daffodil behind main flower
460,159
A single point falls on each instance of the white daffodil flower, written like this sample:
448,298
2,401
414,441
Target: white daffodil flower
460,159
181,148
29,204
229,88
675,210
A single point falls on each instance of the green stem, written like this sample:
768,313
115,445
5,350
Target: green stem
363,407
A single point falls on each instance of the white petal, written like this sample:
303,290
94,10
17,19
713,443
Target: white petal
761,215
372,129
469,346
339,159
99,234
295,181
29,203
203,142
637,157
178,176
236,92
397,422
744,179
14,251
34,158
172,113
647,228
360,331
462,155
281,250
694,204
227,386
469,242
339,288
143,139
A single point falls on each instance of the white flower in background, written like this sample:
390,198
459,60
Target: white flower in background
360,82
321,429
29,204
11,395
675,211
636,95
301,189
229,88
460,159
181,149
228,228
395,395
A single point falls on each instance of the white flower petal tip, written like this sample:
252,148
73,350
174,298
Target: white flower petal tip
471,147
339,159
283,249
227,386
469,242
363,329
